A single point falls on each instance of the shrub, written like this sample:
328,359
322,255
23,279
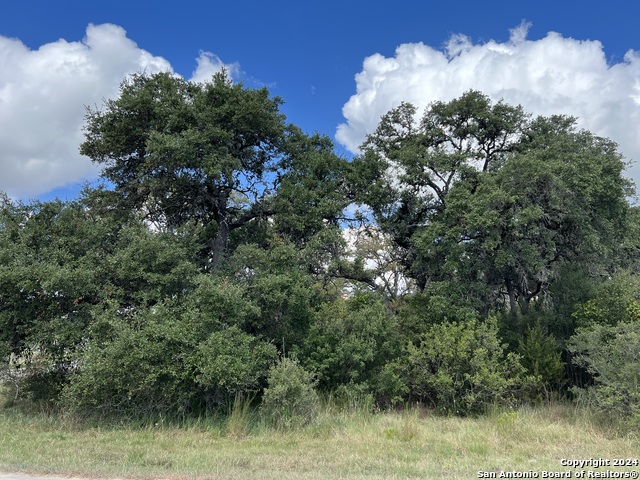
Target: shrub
290,400
135,371
616,300
530,335
611,354
541,357
439,302
159,362
349,344
229,363
461,368
34,377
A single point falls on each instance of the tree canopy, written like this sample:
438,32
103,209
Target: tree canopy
493,259
481,195
216,154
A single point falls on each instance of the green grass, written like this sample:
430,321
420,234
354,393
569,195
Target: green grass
342,444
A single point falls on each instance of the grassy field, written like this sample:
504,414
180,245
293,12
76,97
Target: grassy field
348,445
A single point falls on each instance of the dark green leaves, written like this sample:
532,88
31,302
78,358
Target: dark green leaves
478,194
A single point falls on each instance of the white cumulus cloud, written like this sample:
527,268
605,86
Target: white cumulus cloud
553,75
209,64
43,94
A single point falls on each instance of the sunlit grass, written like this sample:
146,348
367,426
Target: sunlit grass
349,444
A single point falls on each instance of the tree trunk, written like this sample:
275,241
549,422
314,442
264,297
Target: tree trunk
219,246
513,302
220,242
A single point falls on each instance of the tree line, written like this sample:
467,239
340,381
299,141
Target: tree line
469,255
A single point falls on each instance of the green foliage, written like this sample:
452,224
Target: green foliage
573,286
627,252
615,301
31,375
48,273
216,155
290,400
439,302
453,143
531,336
462,369
161,360
349,343
313,192
63,265
540,355
134,366
278,281
484,198
231,362
392,387
219,245
68,259
217,303
610,355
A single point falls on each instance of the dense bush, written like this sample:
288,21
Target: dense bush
349,344
230,362
278,283
611,354
529,335
133,366
438,302
159,361
461,368
541,357
614,301
290,400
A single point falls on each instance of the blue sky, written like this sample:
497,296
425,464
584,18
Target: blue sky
334,63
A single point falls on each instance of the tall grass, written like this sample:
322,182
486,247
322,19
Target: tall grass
349,441
241,417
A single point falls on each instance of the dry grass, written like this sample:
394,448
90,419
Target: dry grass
342,445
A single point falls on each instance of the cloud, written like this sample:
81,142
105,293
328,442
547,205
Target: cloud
43,94
210,64
547,76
